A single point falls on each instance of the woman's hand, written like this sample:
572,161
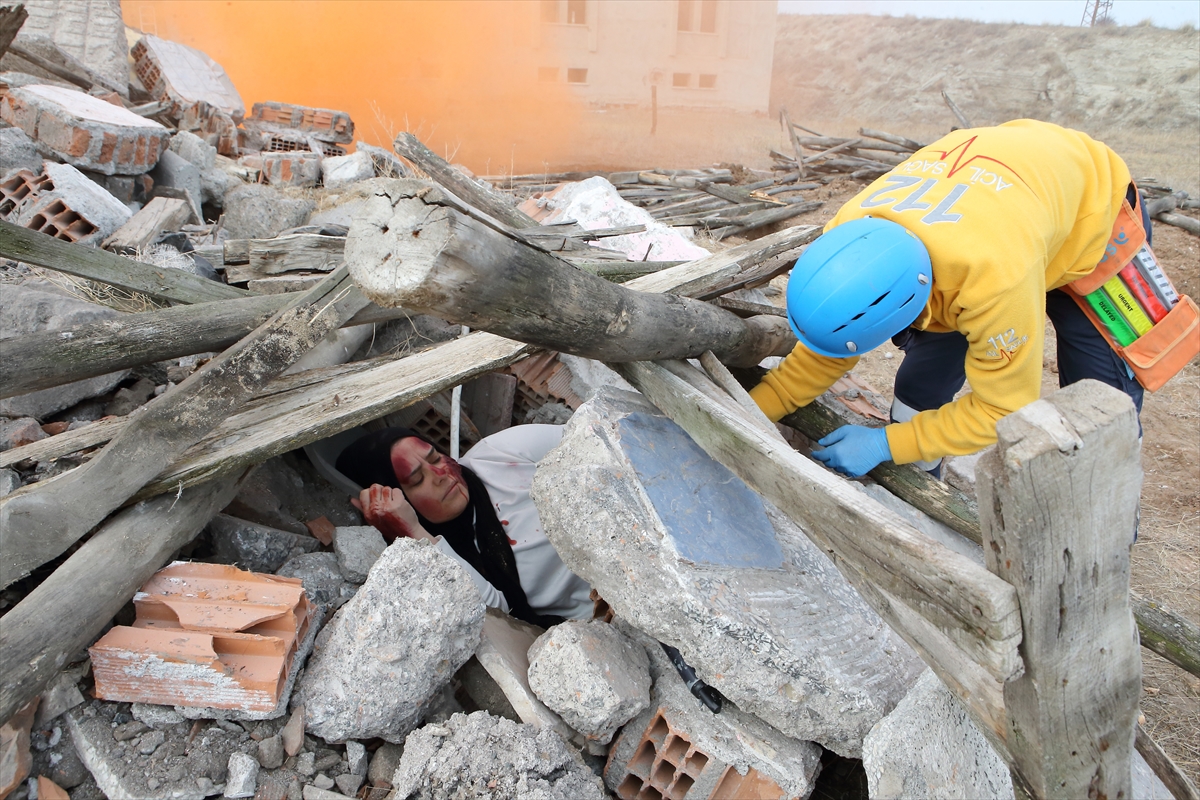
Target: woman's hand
387,510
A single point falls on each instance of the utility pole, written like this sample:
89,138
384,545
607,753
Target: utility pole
1095,12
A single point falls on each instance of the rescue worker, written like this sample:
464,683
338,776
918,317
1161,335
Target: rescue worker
955,255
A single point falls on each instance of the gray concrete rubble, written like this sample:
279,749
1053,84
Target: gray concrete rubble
18,151
20,432
173,171
357,547
261,212
178,766
59,697
731,739
242,777
338,171
384,762
388,651
929,747
55,756
479,755
91,31
960,471
214,181
10,481
30,310
286,492
67,204
255,547
322,578
684,551
387,165
591,675
185,76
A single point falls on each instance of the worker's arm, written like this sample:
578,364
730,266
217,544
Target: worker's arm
1004,369
799,380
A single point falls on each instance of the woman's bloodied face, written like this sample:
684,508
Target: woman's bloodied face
432,482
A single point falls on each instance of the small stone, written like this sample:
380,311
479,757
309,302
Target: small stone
150,742
356,758
358,548
155,716
270,752
326,761
293,732
243,776
305,764
348,783
384,762
129,730
152,783
323,781
295,790
205,783
20,432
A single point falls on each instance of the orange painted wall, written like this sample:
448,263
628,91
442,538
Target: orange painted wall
461,74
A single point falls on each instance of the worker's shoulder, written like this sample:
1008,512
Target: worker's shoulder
521,443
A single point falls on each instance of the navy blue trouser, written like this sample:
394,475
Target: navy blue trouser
933,367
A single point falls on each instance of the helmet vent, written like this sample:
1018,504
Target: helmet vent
909,300
878,300
838,328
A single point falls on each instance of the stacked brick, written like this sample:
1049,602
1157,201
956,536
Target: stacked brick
85,131
61,202
283,127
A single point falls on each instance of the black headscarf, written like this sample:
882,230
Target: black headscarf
476,534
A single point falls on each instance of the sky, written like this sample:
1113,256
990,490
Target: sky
1163,13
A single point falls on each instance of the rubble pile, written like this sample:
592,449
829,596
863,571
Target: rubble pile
260,640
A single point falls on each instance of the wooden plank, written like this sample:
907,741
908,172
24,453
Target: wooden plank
1178,783
956,111
173,285
418,247
65,443
160,214
766,217
973,609
69,609
42,520
297,252
796,148
1058,500
905,144
1170,635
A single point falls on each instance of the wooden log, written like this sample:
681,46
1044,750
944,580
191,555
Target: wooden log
622,271
1170,635
69,609
52,358
160,214
900,141
799,152
1180,786
470,191
297,252
11,19
1058,500
80,76
970,608
1190,225
237,251
744,308
768,216
849,144
42,520
1161,205
954,109
417,246
172,285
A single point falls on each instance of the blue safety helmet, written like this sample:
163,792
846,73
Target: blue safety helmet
857,286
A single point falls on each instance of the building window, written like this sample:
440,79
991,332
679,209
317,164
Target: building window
576,75
698,15
681,80
708,81
548,74
571,12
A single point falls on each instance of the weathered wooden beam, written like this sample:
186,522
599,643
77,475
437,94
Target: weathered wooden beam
160,214
964,621
1190,225
1170,635
12,17
417,246
42,520
767,216
70,608
1178,783
1058,500
796,148
954,109
297,252
53,358
903,143
173,285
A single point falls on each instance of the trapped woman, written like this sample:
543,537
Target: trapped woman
477,510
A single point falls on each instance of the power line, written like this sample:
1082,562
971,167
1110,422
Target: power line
1096,12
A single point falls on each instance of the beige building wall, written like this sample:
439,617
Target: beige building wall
697,53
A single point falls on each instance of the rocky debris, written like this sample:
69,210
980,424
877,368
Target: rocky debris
270,752
389,650
55,755
478,755
928,747
18,151
960,471
90,31
155,716
20,432
286,492
591,675
683,551
173,171
129,398
731,738
292,735
322,578
384,763
262,212
340,171
357,548
9,481
253,547
26,310
59,697
242,778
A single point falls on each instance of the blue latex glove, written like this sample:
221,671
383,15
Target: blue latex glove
854,450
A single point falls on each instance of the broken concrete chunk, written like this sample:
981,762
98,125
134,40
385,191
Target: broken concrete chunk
321,576
357,548
20,432
10,481
58,760
479,755
59,697
677,741
591,675
90,31
384,762
18,151
339,171
298,168
156,716
185,76
292,735
312,792
208,636
243,776
261,212
685,552
324,124
356,758
389,650
348,783
15,760
270,752
85,131
173,171
126,400
253,547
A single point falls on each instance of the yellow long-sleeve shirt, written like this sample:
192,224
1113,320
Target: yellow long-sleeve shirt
1007,213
